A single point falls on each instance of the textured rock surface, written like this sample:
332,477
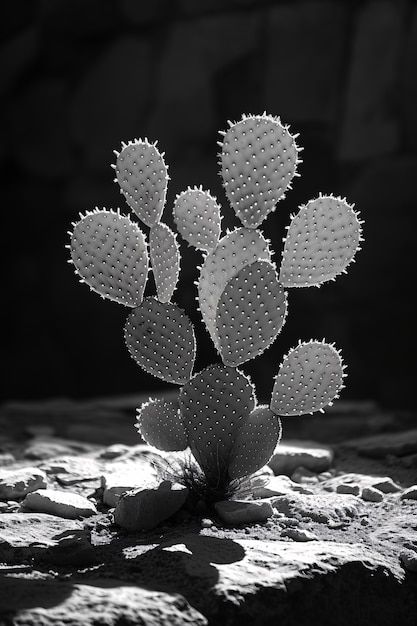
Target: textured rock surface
291,454
17,483
144,509
62,503
241,512
324,551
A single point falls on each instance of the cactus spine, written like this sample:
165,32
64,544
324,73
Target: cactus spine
242,297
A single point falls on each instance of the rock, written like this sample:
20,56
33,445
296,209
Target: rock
42,448
354,490
111,602
31,535
244,512
410,493
356,482
71,469
299,534
409,559
318,507
6,459
304,475
275,486
291,454
114,451
61,503
143,509
384,444
16,484
369,494
117,483
386,485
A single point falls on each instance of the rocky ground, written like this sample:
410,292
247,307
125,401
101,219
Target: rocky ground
326,534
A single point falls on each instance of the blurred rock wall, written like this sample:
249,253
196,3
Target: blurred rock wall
79,76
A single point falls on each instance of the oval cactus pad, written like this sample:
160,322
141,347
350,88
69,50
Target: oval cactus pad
213,405
250,313
259,158
165,260
310,378
256,440
160,338
109,253
159,423
197,217
321,241
142,175
234,251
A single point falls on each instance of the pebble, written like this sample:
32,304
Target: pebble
244,511
276,486
410,493
304,475
16,484
298,534
206,522
370,494
293,454
114,451
409,559
144,509
354,490
61,503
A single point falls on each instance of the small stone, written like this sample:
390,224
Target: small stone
144,509
17,483
206,522
354,490
292,454
276,486
61,503
318,507
304,475
409,559
370,494
114,451
386,485
410,493
289,521
244,511
6,459
24,536
299,534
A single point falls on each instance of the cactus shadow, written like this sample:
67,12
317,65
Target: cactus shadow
187,565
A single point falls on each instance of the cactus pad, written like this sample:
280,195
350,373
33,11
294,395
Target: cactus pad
142,175
165,260
256,440
250,313
234,251
109,253
213,405
310,378
197,217
160,338
321,241
160,425
259,158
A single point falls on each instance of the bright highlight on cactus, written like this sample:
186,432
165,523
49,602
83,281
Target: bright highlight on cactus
241,296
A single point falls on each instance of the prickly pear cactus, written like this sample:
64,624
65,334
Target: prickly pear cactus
242,297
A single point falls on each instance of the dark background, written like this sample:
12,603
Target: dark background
79,76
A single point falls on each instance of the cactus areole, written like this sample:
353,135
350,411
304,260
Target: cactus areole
242,297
